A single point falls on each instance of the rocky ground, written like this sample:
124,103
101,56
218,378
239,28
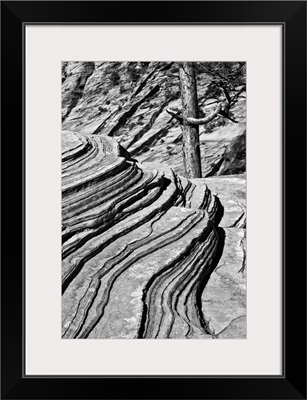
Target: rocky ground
148,253
224,297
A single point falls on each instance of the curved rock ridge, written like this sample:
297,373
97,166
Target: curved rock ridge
139,244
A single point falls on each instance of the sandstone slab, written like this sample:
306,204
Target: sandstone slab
138,240
224,297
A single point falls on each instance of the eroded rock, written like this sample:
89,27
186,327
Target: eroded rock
137,242
108,99
231,191
141,243
224,297
234,157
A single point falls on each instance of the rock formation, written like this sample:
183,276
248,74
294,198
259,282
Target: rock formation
147,253
224,297
113,103
233,160
137,244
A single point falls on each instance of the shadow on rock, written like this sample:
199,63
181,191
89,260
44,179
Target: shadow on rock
215,261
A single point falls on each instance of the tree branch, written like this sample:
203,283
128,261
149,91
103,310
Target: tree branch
237,95
226,94
194,121
222,109
175,113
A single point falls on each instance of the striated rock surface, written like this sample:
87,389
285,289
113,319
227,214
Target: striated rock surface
231,192
139,242
224,297
128,101
146,252
234,156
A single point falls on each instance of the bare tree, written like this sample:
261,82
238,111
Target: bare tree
190,132
189,116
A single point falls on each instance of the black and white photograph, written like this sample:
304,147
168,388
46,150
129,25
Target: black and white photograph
154,200
152,158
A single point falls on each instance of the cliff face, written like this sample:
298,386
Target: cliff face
147,253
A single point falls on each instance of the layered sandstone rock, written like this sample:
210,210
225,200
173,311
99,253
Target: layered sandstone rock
224,297
138,244
146,252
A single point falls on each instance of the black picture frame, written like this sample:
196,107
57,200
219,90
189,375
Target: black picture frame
292,383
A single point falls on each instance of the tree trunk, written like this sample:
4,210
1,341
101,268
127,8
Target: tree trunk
190,134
